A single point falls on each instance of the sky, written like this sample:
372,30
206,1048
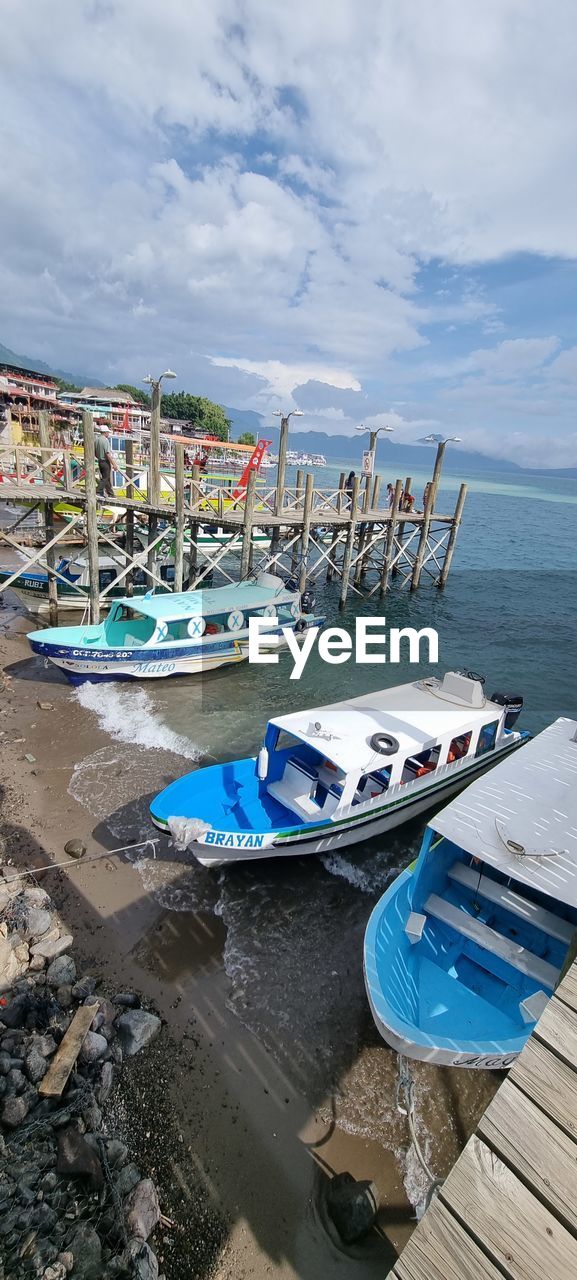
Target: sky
364,211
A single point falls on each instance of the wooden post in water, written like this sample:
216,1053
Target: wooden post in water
129,470
44,434
407,489
423,539
452,537
307,509
349,543
151,557
193,526
298,496
246,552
363,533
91,514
390,542
179,510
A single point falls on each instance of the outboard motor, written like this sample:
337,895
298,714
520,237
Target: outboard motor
308,601
514,704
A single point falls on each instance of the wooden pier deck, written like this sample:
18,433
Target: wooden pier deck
509,1206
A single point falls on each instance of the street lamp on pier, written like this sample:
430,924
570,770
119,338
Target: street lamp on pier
154,463
374,435
441,446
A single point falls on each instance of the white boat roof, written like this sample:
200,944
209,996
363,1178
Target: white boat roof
418,715
183,604
530,799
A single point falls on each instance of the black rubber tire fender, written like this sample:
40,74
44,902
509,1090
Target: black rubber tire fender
384,743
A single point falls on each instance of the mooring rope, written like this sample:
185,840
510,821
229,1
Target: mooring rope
406,1085
73,862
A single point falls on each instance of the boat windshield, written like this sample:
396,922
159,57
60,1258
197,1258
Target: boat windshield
127,628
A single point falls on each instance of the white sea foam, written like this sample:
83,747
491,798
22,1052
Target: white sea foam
129,716
336,865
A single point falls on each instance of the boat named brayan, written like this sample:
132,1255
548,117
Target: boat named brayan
465,948
331,776
181,633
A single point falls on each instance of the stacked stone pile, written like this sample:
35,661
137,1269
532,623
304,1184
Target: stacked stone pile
72,1203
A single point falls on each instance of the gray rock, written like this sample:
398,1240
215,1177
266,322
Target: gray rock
64,996
106,1080
92,1116
127,999
352,1206
36,1065
45,1044
86,1250
136,1029
94,1047
75,848
116,1152
62,971
84,987
16,1080
35,897
52,947
76,1158
15,1111
36,964
140,1261
37,922
127,1180
142,1209
67,1259
15,1012
5,1063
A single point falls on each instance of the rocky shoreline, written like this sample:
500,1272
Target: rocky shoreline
72,1201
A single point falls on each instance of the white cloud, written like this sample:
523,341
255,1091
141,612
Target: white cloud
253,183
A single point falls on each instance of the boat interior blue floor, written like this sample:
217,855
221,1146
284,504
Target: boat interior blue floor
226,795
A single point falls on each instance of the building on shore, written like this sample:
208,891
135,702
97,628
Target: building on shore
24,394
121,411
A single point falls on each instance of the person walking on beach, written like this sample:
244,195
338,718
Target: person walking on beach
105,459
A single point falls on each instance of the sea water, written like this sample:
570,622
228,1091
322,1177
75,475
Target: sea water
294,927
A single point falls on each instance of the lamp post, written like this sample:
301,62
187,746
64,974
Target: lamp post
282,451
154,462
374,435
441,446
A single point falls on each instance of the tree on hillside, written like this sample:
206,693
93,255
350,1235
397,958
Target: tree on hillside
66,386
197,410
140,396
246,438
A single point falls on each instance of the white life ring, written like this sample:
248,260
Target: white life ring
295,609
161,631
235,620
269,611
196,627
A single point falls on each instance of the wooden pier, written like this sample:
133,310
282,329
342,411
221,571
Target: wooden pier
508,1210
313,532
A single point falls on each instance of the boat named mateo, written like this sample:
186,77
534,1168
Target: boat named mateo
331,776
465,948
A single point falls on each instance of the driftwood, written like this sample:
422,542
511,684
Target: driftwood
67,1052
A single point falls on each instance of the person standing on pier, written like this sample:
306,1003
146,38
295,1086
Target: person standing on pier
390,494
349,483
105,458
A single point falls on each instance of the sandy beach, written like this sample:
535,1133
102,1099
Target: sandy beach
242,1131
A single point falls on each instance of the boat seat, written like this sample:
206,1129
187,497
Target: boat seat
512,901
294,791
490,940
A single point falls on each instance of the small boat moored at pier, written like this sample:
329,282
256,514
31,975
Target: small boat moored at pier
465,948
331,776
180,633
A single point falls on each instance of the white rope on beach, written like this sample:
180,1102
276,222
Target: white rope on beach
72,862
407,1084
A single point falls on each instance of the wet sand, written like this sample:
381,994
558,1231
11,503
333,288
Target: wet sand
272,1070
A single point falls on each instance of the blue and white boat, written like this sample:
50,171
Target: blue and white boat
329,777
465,948
180,633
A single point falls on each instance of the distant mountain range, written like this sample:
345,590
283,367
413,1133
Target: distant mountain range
392,458
38,366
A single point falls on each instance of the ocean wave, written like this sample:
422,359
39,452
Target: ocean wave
128,715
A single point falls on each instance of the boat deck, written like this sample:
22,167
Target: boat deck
509,1206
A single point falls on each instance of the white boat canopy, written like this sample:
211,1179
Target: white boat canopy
267,590
418,715
522,816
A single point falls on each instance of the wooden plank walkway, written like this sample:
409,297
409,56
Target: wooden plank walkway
263,515
509,1206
